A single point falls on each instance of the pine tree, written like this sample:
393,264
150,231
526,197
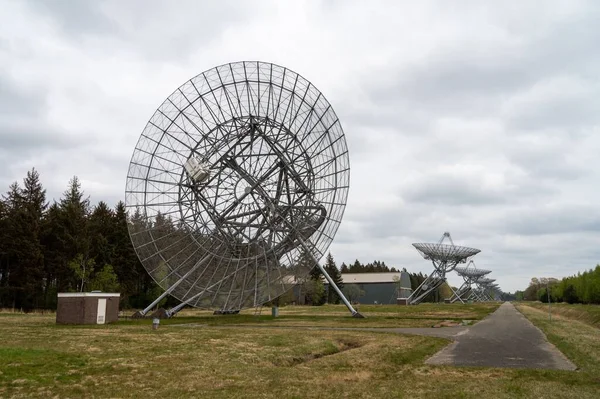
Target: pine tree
314,287
54,257
4,248
75,213
356,267
126,264
12,203
315,273
24,226
35,205
100,228
71,229
370,268
336,276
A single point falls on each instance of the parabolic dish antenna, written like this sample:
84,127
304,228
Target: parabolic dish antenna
444,254
470,275
485,288
237,186
445,257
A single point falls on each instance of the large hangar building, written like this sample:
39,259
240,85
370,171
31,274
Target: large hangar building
380,288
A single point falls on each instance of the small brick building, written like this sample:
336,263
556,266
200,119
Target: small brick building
87,308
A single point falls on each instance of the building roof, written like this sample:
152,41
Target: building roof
365,278
360,278
87,294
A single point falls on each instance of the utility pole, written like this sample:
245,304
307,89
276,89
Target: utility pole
548,292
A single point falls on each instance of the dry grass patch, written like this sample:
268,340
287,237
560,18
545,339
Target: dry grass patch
40,359
589,314
385,316
131,361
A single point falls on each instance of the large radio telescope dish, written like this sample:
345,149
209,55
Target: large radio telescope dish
237,184
444,257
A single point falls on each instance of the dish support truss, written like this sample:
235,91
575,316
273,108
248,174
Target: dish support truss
444,258
470,275
298,240
483,291
171,312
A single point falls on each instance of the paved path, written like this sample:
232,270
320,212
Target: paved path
443,332
503,339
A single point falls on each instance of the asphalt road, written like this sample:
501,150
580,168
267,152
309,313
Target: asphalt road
503,339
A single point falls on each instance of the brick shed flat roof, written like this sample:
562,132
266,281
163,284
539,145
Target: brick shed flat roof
87,294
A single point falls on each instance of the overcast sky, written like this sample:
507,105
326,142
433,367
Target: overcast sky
473,117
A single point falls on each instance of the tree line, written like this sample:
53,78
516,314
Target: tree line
579,288
71,245
372,267
65,246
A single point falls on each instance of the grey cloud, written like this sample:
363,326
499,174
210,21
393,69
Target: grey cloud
449,84
566,46
558,112
15,102
418,222
542,220
547,163
77,18
375,113
468,78
452,190
27,140
156,30
565,249
23,125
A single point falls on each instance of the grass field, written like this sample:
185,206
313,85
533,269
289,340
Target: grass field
129,359
424,315
589,314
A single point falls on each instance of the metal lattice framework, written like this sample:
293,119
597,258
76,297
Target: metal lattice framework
470,275
485,289
444,257
237,186
496,293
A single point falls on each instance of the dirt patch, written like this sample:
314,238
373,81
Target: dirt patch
341,346
447,323
453,323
